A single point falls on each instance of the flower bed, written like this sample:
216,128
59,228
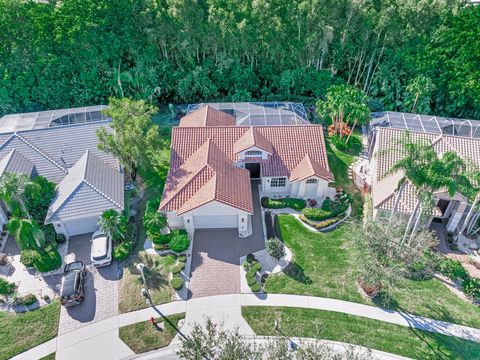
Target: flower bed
281,203
319,225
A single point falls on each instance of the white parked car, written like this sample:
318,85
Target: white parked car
101,252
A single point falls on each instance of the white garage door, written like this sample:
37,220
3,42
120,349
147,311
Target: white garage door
81,226
215,222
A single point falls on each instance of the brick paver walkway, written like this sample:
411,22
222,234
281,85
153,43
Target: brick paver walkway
101,290
216,254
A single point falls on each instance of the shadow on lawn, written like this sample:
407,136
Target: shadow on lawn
297,273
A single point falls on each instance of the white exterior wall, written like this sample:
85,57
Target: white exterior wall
217,211
297,189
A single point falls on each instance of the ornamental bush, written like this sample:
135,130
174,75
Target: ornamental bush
122,250
160,239
255,287
178,268
28,257
176,282
471,288
180,241
451,268
28,300
296,204
251,280
275,248
6,288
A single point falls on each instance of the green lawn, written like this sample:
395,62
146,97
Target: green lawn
357,330
20,332
324,265
144,336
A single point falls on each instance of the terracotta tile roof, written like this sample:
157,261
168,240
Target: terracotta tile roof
207,175
308,168
202,163
384,187
252,137
207,116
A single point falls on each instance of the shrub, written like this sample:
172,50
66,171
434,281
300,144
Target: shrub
176,282
6,287
49,232
275,248
161,247
471,288
160,239
28,257
250,258
122,250
180,241
49,261
251,280
255,287
28,300
178,268
61,238
182,258
316,214
257,267
296,204
452,269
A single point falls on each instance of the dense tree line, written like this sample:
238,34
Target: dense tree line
419,55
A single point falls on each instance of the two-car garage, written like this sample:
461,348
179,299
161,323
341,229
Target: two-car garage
215,221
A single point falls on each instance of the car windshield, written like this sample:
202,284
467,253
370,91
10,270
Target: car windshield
77,265
68,283
100,248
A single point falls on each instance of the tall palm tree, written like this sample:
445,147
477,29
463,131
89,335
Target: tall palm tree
27,233
12,187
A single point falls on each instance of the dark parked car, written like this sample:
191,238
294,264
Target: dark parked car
72,284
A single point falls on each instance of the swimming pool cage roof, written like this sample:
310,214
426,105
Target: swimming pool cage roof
260,113
427,123
51,118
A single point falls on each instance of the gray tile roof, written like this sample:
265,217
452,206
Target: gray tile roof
55,150
90,188
16,163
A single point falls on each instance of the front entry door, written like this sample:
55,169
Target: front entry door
254,169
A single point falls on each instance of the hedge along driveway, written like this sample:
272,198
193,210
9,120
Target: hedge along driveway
324,264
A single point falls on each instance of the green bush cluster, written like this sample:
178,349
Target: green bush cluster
471,287
122,250
49,260
451,268
329,209
296,204
28,300
176,240
252,266
176,282
6,288
176,269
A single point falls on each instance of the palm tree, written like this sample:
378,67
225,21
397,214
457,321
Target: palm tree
12,187
110,223
27,233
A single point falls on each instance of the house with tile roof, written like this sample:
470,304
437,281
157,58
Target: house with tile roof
213,161
61,146
459,136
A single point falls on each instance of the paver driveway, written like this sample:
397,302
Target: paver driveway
101,289
216,255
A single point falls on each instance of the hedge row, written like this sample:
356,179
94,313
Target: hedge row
322,224
296,204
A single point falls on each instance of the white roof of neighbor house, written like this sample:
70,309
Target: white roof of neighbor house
51,118
384,187
90,188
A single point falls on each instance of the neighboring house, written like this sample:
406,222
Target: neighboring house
445,134
61,145
213,160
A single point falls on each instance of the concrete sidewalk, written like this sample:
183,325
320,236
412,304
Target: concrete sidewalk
100,340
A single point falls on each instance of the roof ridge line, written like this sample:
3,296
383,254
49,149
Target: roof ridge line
40,152
101,193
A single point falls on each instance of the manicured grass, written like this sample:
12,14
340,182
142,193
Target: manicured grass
358,330
339,161
144,336
324,264
131,284
20,332
49,357
296,204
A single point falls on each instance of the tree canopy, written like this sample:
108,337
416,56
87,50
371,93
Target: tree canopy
405,54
